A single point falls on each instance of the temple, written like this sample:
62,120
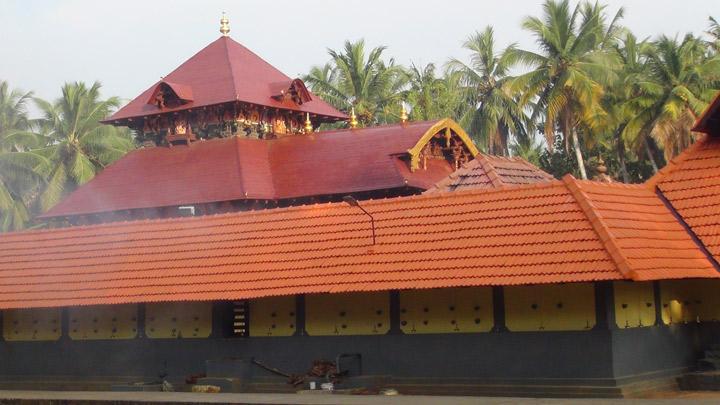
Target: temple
245,241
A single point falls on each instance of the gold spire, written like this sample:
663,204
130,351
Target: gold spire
308,124
353,118
403,113
224,25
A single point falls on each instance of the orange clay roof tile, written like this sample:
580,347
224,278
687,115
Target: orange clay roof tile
691,184
548,232
488,171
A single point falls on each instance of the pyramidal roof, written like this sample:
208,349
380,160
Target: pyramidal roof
225,71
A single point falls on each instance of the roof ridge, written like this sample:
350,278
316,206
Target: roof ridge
596,220
670,167
238,165
490,170
230,66
271,211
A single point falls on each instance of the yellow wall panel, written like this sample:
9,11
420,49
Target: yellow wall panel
178,319
103,322
33,324
446,310
347,314
634,304
274,316
690,301
552,307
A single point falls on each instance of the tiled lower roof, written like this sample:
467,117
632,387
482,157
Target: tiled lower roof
487,171
691,183
552,232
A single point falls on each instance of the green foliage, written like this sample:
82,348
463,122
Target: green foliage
42,160
493,114
78,146
354,78
433,97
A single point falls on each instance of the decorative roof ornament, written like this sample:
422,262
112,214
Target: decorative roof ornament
602,172
308,124
353,118
403,113
224,25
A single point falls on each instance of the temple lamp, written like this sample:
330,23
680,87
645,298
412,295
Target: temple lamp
351,201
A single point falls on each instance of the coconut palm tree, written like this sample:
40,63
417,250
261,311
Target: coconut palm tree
78,145
19,177
676,86
432,97
356,79
15,131
714,32
613,124
495,114
569,72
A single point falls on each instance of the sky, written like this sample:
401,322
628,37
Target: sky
128,45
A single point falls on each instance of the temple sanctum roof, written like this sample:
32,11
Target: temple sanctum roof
239,168
222,72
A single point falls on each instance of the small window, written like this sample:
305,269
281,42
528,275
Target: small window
186,211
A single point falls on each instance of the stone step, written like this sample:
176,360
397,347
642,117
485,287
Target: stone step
700,381
708,364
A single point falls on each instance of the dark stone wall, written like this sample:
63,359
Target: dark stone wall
638,351
505,355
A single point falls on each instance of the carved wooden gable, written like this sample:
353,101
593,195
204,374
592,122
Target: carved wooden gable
444,140
295,90
170,95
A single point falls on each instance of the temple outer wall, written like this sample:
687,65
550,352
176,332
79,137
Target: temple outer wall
604,355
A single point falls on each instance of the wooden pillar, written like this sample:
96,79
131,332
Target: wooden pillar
604,306
300,315
64,323
498,303
141,321
657,294
222,319
395,313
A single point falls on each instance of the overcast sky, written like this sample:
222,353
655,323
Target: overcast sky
127,45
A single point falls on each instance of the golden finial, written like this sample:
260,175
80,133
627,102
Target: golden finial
403,113
224,25
308,124
353,118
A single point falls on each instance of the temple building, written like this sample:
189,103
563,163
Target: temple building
243,239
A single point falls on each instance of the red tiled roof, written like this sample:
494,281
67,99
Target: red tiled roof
552,232
224,71
643,237
322,163
487,171
691,183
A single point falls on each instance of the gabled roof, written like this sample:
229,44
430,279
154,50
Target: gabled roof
551,232
225,71
322,163
487,171
691,183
